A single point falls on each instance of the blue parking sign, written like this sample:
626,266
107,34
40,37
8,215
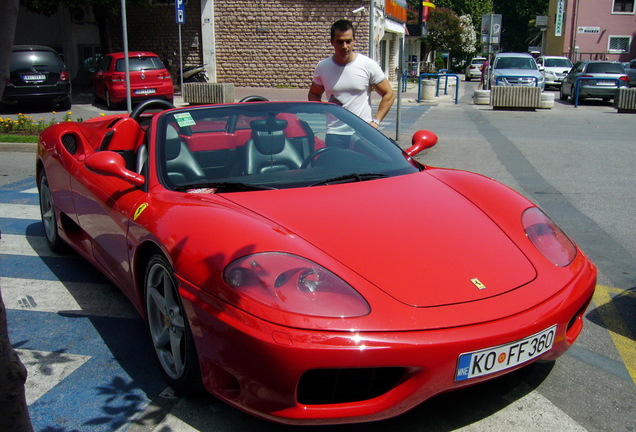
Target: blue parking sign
179,7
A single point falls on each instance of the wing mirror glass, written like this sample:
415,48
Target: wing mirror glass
112,164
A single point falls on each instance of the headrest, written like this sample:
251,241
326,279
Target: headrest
173,143
268,135
270,124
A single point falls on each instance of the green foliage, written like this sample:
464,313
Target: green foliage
444,31
27,126
515,18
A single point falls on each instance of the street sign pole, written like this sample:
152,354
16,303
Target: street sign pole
179,7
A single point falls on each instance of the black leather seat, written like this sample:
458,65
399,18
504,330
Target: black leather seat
268,149
181,165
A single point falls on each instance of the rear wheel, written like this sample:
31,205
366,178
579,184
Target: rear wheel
109,102
169,328
49,219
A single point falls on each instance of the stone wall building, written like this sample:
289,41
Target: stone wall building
250,43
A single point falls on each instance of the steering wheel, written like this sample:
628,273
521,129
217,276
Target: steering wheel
148,105
254,98
309,159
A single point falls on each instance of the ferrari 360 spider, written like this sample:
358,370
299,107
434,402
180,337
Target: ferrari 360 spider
298,264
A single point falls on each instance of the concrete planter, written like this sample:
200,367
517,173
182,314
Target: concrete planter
208,93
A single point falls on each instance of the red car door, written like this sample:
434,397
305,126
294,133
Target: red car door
105,206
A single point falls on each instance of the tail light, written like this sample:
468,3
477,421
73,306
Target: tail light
63,77
118,77
624,78
164,75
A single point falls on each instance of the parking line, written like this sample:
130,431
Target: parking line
618,330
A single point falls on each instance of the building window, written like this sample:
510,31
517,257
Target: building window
618,44
623,6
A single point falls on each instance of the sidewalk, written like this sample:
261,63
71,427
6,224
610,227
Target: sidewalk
408,98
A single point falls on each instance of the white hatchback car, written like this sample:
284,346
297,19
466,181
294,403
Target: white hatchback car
555,68
473,70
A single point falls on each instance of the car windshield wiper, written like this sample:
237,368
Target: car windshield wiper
350,178
224,186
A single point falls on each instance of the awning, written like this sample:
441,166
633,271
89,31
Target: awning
394,26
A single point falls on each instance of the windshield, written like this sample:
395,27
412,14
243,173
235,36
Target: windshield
553,62
609,68
515,63
253,146
139,64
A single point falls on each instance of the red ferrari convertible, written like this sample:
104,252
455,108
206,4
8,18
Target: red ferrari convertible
296,263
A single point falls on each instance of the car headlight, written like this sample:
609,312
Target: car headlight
547,237
293,284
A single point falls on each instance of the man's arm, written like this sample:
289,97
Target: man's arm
385,90
315,92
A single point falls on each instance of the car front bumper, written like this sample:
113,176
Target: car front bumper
290,375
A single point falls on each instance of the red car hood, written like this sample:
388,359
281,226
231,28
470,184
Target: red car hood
412,236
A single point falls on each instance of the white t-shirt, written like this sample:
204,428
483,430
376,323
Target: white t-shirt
350,85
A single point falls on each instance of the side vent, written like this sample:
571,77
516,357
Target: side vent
69,141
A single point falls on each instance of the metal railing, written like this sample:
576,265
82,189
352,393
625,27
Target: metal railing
438,76
577,87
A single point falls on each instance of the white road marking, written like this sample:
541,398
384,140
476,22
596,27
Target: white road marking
46,370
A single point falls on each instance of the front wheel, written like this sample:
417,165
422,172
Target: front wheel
169,328
562,94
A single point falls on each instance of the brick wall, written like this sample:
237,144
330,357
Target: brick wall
259,43
277,43
154,28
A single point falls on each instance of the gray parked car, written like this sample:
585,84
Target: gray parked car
630,70
516,69
608,77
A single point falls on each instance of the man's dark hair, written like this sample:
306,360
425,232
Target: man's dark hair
342,26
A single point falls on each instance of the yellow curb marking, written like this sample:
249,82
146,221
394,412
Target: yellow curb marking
618,330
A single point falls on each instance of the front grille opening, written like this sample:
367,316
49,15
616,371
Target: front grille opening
333,386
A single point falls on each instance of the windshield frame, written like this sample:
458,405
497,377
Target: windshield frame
370,155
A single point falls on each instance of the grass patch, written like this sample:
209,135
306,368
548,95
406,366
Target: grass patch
19,138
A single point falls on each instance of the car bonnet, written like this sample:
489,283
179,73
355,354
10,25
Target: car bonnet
412,236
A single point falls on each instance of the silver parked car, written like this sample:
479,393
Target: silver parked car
516,69
473,70
601,80
555,68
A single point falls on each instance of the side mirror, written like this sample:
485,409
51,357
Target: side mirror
421,140
109,163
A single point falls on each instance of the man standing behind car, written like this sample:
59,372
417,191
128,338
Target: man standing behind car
347,77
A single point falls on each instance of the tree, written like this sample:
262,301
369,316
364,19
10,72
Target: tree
105,12
474,8
515,17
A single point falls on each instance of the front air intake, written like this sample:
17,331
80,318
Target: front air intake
333,386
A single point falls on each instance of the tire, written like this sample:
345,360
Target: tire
66,105
49,218
562,95
109,102
169,329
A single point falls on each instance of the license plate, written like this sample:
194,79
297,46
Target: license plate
39,77
490,360
145,91
605,82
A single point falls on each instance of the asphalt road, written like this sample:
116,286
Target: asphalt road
576,163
